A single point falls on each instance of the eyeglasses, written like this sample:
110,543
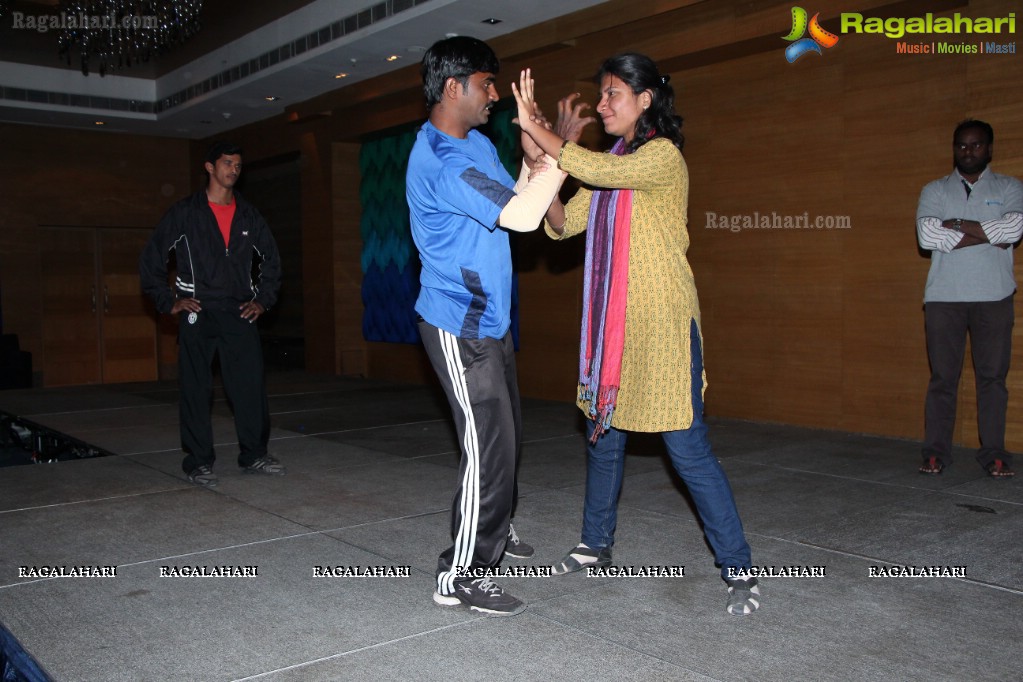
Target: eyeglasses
973,146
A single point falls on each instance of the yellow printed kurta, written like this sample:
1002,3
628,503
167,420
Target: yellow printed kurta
656,388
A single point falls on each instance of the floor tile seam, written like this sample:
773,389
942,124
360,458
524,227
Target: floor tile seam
352,389
808,432
83,434
96,499
222,445
358,650
904,486
549,438
429,456
241,545
406,517
867,557
145,562
88,410
373,428
282,538
320,469
525,442
382,405
622,645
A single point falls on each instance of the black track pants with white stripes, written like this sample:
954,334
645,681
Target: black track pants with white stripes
478,376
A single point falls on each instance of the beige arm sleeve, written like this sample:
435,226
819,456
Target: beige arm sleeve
527,208
523,177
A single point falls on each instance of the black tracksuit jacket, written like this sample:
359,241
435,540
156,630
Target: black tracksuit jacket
221,278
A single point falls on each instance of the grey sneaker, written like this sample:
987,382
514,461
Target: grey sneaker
265,465
204,476
743,596
515,547
482,595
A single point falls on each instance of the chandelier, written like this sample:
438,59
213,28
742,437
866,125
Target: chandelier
104,35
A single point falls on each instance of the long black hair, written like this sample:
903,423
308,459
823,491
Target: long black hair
640,73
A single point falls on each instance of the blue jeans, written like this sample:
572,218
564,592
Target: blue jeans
691,456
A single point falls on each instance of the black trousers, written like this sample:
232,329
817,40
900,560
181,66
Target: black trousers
201,336
479,380
990,327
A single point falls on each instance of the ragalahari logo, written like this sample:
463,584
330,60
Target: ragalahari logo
818,36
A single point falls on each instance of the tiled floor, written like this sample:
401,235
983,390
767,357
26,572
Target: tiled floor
371,473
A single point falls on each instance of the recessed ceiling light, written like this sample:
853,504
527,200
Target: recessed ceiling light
101,123
271,98
341,75
491,21
393,58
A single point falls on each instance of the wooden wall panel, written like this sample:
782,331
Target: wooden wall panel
770,299
56,177
821,328
318,262
350,348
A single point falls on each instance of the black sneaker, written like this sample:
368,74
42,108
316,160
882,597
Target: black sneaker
265,465
482,595
515,547
204,476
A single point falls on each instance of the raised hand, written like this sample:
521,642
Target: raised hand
571,122
530,149
524,100
532,121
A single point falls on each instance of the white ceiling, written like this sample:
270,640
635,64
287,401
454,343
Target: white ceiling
362,54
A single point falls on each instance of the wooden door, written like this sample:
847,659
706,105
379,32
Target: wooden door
97,325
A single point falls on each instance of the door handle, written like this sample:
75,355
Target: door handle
106,299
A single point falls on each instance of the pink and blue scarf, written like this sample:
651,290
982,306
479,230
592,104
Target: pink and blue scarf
605,293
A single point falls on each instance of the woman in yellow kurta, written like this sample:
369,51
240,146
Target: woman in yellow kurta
641,365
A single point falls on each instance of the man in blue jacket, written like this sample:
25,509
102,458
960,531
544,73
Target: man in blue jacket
216,236
462,203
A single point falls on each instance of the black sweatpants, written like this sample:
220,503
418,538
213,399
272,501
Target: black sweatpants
236,341
479,379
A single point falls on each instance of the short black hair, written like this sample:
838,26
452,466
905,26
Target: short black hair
221,148
972,123
458,57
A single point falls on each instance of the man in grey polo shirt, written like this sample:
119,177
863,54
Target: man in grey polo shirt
969,220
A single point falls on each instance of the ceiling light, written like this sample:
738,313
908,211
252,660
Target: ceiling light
491,21
108,34
393,58
341,75
271,98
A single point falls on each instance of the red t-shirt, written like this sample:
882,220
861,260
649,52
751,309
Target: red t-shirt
224,214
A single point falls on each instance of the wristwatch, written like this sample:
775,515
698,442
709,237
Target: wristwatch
957,224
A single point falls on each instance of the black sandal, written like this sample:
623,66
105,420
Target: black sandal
999,469
934,465
581,557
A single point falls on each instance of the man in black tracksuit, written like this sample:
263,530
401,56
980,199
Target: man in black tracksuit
216,235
